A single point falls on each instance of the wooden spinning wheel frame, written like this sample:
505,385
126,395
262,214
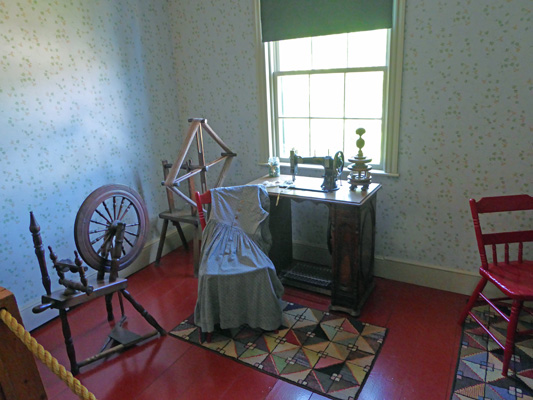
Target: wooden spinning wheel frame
96,225
110,231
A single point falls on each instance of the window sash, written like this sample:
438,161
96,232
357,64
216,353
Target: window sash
276,118
391,118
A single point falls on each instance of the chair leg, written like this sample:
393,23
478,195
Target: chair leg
205,336
196,250
473,298
182,235
161,241
511,332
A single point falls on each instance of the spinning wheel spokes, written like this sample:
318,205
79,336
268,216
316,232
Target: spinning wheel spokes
97,221
110,224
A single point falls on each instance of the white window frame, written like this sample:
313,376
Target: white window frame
392,94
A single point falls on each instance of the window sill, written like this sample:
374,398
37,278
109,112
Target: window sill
316,170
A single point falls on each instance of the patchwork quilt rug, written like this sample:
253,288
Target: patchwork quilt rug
480,361
326,353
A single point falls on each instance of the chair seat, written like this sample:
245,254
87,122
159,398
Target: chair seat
514,279
180,216
252,298
176,218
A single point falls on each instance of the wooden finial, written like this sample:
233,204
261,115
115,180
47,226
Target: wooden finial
360,174
53,257
81,269
35,230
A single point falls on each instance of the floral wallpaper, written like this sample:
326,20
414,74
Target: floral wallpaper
100,92
217,78
87,98
466,129
466,126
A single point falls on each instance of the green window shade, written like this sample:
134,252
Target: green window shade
291,19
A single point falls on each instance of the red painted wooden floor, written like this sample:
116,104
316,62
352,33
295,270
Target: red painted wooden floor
417,360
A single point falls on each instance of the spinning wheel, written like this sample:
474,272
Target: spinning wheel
97,221
110,231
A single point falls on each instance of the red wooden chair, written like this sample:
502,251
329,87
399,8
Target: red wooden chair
261,279
202,199
512,276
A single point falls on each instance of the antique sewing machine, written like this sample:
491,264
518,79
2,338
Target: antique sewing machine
333,167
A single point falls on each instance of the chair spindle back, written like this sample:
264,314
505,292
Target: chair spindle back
500,204
202,199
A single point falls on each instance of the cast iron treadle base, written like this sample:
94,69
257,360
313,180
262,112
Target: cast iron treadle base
308,276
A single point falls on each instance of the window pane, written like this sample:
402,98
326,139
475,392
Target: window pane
364,94
329,51
294,54
293,96
327,95
326,137
294,133
372,138
367,49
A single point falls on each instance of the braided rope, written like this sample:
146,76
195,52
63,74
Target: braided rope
43,355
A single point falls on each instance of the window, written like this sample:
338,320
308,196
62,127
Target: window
322,88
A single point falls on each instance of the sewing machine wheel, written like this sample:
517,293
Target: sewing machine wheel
338,162
96,224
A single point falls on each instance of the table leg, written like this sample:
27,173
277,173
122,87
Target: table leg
281,231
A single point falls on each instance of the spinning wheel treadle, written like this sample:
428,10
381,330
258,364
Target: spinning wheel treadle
97,221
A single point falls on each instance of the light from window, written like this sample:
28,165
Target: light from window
324,88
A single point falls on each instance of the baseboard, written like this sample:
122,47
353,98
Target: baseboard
147,256
448,279
436,277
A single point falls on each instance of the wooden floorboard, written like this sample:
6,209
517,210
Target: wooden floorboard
417,360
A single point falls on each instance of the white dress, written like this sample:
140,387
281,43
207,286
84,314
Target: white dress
237,282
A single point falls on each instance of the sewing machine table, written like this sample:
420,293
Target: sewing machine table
352,216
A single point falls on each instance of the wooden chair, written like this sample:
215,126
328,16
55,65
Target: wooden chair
177,217
512,276
237,284
202,199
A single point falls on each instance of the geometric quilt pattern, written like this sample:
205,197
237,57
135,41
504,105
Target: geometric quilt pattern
479,367
326,353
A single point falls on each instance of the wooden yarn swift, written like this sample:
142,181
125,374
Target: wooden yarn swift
172,181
